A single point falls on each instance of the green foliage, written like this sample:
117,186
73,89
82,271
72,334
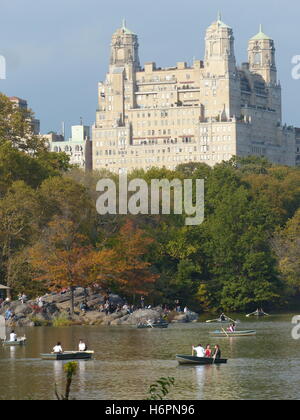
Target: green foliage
244,255
70,370
62,321
160,389
286,244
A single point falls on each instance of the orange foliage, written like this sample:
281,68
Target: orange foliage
60,257
63,258
123,267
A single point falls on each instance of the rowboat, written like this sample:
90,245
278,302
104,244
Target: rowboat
192,360
156,325
226,320
19,342
69,355
259,314
233,334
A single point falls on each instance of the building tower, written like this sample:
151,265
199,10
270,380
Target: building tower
261,55
221,72
125,49
219,49
262,61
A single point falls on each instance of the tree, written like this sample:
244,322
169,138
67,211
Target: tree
122,267
286,244
19,224
61,196
16,128
60,258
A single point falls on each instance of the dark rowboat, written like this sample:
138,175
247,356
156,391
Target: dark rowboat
156,325
19,342
69,355
192,360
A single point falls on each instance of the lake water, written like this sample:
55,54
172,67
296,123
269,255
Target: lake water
127,361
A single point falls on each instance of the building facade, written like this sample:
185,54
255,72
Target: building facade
22,105
78,147
206,112
297,146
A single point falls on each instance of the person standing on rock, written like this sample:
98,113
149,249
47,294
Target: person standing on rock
23,298
142,302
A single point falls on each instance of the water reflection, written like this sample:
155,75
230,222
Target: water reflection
128,360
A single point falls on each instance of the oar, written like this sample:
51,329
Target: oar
230,319
150,323
225,333
212,320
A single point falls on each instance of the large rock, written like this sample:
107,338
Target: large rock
95,300
22,309
185,317
116,300
25,323
80,292
51,309
143,315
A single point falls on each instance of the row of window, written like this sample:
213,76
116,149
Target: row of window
216,129
215,138
165,114
192,158
166,123
67,149
114,152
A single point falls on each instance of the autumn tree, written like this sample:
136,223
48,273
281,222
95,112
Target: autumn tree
59,258
122,267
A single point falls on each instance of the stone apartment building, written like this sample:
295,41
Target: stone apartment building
23,106
78,147
206,112
297,146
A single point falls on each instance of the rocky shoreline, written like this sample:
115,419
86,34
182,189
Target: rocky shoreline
56,311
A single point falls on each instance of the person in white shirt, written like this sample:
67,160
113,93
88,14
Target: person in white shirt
199,351
13,336
58,348
82,346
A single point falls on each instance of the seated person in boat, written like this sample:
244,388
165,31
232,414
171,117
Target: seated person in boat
217,353
223,318
208,351
199,351
13,337
82,346
232,328
57,349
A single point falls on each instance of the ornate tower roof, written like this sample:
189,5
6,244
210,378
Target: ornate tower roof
261,35
220,22
125,29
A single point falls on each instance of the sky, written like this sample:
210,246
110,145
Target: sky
58,50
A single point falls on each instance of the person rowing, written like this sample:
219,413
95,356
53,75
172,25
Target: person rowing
259,312
232,328
13,337
199,351
58,348
223,318
217,353
82,346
